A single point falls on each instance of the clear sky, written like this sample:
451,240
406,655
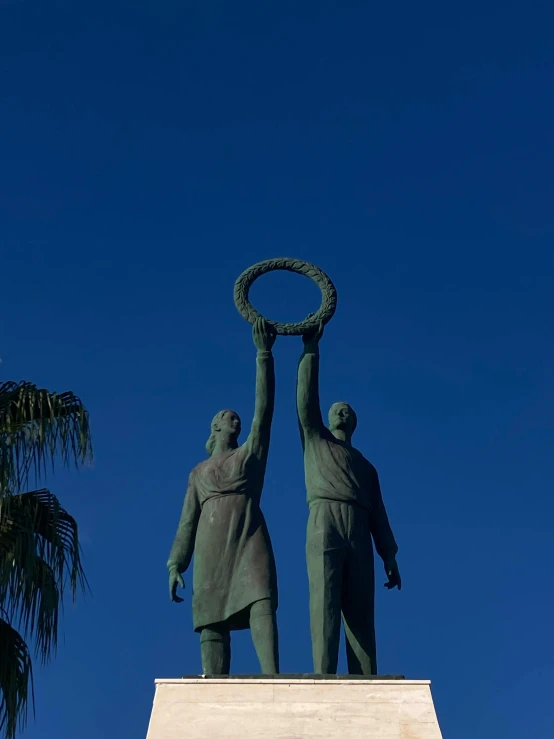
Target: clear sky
151,151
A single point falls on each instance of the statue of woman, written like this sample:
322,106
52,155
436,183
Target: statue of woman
235,580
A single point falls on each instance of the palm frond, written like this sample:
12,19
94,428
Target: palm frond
39,557
35,426
16,680
32,601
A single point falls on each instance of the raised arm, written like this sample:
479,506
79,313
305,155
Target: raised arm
258,439
307,386
183,545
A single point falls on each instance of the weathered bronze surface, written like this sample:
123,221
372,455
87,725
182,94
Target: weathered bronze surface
328,294
234,581
346,513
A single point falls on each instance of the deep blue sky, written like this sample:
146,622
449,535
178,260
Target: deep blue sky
151,151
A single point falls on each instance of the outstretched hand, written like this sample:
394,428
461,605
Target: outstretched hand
313,336
393,574
264,335
175,579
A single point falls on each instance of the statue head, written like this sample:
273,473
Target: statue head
342,418
225,424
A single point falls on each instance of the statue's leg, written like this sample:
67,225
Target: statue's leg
263,627
215,647
360,648
358,604
324,557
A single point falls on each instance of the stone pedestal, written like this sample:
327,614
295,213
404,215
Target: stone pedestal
293,707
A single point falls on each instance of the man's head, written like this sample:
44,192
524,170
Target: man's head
342,418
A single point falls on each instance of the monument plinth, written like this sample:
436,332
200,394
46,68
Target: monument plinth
285,707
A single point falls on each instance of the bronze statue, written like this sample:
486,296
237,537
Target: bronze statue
346,513
235,580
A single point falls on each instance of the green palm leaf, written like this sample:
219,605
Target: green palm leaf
35,426
39,544
16,680
39,557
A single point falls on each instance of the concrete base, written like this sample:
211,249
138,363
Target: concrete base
290,708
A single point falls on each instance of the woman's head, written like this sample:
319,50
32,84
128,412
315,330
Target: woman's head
225,425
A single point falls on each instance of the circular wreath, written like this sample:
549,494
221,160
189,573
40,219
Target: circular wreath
328,294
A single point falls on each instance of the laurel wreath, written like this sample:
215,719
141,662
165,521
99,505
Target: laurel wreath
328,294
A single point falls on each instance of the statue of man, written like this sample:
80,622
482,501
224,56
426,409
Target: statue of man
235,580
346,513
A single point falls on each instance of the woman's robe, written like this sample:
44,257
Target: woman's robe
223,525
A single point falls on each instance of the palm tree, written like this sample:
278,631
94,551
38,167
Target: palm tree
39,543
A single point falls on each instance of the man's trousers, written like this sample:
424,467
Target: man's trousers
339,554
